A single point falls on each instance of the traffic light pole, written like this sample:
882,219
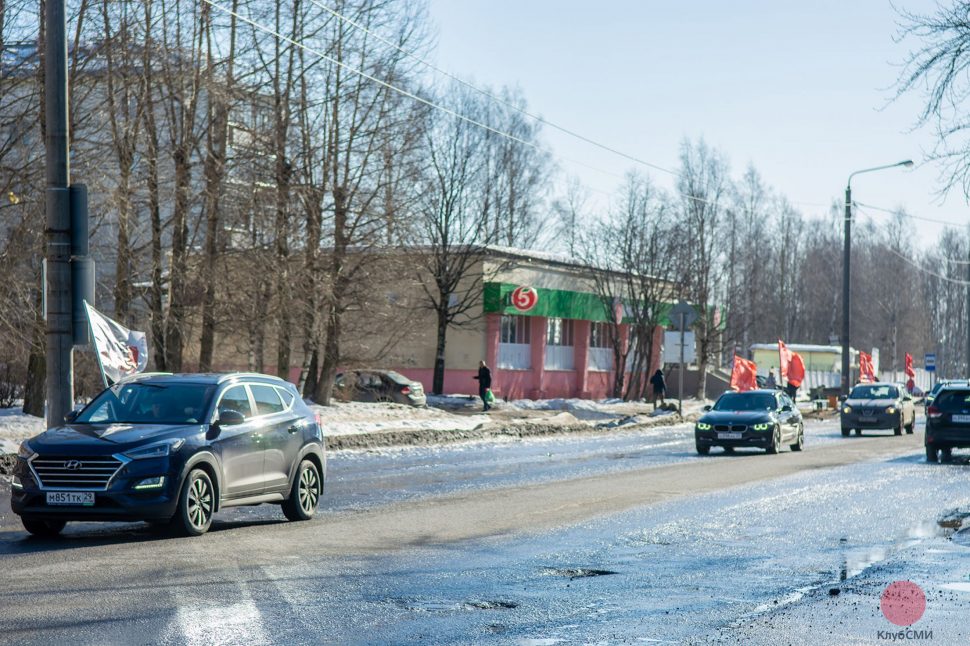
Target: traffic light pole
60,342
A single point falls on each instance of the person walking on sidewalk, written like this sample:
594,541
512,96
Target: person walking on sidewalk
484,378
659,387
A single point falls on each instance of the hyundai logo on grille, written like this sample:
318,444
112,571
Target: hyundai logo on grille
73,465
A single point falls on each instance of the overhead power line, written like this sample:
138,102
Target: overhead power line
415,97
492,96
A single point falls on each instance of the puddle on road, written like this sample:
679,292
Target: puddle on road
576,573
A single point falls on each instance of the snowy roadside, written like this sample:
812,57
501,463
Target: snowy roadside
860,606
450,418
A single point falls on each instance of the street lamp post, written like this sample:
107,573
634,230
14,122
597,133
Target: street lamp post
846,256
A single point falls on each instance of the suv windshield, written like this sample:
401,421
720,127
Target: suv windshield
874,392
950,401
745,401
149,403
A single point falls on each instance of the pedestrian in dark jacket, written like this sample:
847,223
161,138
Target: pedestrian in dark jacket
484,378
659,387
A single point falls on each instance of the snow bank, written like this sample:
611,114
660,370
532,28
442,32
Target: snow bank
351,418
15,427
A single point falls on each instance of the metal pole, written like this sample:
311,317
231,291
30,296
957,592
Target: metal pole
967,371
680,376
60,360
847,227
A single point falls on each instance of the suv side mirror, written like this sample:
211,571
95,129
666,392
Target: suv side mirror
842,398
230,417
786,408
71,416
708,407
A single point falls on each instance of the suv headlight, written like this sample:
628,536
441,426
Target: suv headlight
703,426
25,451
158,450
846,409
761,427
891,410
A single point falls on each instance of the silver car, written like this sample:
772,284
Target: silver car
878,406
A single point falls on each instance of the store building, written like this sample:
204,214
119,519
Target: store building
540,325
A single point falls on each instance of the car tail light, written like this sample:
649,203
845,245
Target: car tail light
933,412
406,390
319,421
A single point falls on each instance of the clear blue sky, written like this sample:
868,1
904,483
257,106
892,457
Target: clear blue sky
799,89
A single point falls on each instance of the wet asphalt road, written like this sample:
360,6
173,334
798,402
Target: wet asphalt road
455,544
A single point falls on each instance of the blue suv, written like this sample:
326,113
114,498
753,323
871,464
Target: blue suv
174,449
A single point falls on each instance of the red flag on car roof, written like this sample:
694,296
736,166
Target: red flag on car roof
744,375
784,359
796,370
909,366
867,373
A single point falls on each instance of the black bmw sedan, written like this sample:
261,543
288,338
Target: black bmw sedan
174,449
766,419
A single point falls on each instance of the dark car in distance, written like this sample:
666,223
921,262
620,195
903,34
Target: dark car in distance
766,419
173,449
948,422
878,406
378,386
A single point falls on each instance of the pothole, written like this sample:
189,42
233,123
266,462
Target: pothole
444,605
576,573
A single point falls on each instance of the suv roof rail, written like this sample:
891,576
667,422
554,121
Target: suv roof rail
249,375
139,375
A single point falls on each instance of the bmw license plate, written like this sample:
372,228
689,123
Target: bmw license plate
70,498
729,436
965,419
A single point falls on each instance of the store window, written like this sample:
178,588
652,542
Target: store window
601,335
559,344
559,332
515,329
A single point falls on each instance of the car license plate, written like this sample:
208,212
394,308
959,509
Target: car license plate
729,436
866,420
961,418
70,498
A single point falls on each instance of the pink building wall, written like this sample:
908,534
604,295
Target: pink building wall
538,382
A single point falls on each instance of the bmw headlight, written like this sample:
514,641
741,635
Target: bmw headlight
846,409
158,450
703,426
761,427
891,410
25,451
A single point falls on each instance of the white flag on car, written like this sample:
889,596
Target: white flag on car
121,352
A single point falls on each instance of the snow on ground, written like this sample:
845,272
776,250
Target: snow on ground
15,427
350,418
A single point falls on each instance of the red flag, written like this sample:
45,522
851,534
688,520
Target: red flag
796,370
784,358
909,366
744,375
867,373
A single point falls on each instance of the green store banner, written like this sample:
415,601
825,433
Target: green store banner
506,298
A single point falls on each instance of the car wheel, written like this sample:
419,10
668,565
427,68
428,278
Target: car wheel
775,442
702,449
799,440
932,453
946,455
911,425
846,432
196,505
899,428
858,431
43,527
305,494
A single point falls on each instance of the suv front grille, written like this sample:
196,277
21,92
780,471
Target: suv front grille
74,472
